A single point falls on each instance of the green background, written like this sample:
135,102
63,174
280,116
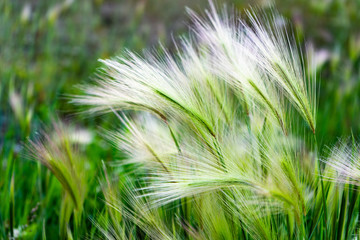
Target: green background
47,48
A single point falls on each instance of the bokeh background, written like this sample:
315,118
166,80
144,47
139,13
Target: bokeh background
48,47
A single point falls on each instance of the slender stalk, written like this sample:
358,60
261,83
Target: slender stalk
12,206
322,189
343,211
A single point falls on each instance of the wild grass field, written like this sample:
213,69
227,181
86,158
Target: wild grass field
236,122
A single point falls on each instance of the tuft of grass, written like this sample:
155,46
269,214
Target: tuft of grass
58,153
210,142
190,139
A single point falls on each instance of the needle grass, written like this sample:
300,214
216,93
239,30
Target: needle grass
210,131
58,153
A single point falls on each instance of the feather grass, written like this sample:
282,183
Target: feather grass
210,131
57,153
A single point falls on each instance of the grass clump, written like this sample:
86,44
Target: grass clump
58,153
210,134
216,119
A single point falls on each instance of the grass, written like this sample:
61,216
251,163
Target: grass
221,152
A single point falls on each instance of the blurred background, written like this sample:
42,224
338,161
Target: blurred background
48,47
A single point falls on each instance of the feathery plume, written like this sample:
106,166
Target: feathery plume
192,138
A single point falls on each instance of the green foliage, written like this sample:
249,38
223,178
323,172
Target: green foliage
280,183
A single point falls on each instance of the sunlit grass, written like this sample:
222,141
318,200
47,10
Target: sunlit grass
217,118
220,135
